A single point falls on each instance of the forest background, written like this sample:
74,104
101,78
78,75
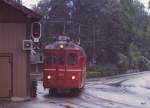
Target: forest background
114,33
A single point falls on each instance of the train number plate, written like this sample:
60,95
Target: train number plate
61,74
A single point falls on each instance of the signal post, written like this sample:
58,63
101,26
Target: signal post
37,58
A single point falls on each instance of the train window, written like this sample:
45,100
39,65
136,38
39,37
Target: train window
51,59
72,59
61,60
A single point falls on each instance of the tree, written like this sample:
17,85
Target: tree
107,28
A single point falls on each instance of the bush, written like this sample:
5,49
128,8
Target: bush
102,70
123,63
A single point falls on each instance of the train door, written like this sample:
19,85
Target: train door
5,77
61,67
82,64
81,60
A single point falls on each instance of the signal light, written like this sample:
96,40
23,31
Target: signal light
36,30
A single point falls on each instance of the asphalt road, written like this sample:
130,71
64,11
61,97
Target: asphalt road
122,91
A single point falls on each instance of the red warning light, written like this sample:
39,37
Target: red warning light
36,30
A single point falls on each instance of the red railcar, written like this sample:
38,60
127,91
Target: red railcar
64,66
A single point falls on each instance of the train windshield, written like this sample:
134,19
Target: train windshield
72,59
51,60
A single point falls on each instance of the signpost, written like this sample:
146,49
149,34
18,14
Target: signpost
27,44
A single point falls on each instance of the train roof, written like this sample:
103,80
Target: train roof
67,45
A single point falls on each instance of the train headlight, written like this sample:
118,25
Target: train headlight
61,46
49,77
73,77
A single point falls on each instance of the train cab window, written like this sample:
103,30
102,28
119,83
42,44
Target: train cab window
51,59
72,59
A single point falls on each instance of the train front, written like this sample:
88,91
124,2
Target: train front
64,65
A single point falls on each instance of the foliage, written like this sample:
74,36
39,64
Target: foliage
115,32
138,60
123,63
102,70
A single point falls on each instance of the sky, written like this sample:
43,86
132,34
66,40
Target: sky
145,2
29,3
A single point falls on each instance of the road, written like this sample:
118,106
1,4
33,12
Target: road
123,91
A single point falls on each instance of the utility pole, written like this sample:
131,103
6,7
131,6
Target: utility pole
64,30
19,1
79,34
94,46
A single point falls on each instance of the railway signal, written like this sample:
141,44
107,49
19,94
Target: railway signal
36,31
